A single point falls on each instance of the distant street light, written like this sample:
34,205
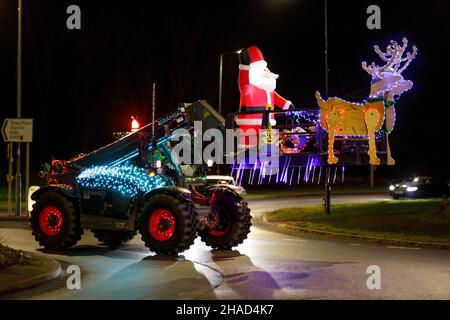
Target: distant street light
221,75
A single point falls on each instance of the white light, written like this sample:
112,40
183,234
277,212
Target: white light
158,163
239,51
31,190
391,188
210,163
416,179
412,189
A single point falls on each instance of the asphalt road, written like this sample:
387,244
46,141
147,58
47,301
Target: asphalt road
269,265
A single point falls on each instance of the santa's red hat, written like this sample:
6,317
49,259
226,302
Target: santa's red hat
253,57
255,54
256,57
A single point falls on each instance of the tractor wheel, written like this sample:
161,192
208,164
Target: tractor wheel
113,238
235,222
55,221
168,225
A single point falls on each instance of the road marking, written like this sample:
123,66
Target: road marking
293,239
402,248
356,244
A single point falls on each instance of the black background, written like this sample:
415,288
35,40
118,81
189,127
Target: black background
82,85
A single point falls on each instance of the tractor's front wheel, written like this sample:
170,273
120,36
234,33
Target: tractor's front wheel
234,221
168,225
55,222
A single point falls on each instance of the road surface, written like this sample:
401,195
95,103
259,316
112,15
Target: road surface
269,265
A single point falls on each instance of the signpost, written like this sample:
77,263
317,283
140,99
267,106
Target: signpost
17,130
20,131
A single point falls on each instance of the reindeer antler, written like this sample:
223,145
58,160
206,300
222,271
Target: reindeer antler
393,51
409,57
392,57
372,69
383,56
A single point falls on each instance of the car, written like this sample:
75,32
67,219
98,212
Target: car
419,187
225,180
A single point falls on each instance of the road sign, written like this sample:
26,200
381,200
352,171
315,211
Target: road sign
17,130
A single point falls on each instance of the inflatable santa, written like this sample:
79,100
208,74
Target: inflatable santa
257,87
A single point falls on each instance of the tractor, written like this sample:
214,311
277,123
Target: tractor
134,185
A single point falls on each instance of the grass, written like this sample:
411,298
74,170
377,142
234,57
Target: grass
282,191
410,220
9,256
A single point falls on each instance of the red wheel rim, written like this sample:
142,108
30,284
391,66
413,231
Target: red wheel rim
162,224
227,225
50,221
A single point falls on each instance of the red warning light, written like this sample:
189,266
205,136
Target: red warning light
134,124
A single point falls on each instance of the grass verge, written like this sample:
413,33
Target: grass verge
409,220
9,256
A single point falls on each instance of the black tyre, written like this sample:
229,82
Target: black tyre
235,222
113,238
168,225
395,197
55,221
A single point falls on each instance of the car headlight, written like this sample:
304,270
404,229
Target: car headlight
391,188
411,189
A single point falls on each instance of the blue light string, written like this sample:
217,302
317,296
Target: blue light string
127,180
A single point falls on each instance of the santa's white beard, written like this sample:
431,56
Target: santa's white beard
262,82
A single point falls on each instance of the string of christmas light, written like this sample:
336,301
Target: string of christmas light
307,116
127,180
287,174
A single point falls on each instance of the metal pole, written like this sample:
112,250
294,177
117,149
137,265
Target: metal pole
153,126
220,82
27,172
19,106
326,50
153,109
19,61
10,177
327,197
18,198
371,176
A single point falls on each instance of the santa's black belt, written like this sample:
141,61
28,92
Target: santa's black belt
252,109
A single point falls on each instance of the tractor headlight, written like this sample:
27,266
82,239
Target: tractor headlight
411,189
30,201
391,188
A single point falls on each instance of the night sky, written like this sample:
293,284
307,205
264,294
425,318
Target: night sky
82,85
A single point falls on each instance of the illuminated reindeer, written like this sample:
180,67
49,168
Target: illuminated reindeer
341,118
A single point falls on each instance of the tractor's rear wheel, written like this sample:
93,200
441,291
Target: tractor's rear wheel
55,222
233,225
113,238
168,225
